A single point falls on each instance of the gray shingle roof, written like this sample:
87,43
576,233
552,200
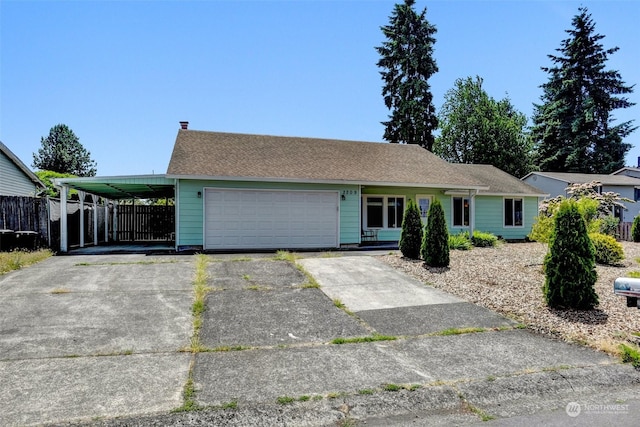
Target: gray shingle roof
217,155
499,182
581,178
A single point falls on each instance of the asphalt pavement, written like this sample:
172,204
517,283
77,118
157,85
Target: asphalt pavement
100,340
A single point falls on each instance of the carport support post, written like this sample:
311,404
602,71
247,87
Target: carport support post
64,243
115,221
81,196
472,211
95,219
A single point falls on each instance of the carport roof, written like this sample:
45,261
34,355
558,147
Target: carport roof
122,187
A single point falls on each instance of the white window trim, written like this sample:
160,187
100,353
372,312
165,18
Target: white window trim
468,199
385,206
424,196
503,212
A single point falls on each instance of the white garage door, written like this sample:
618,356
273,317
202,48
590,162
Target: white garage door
265,219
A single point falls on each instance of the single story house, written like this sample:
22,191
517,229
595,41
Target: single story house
239,191
15,178
556,183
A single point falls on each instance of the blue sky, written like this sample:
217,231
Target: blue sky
122,74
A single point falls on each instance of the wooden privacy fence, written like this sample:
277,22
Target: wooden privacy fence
143,223
624,231
21,213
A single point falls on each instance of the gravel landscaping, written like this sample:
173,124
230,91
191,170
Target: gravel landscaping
509,279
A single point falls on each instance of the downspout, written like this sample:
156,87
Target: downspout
64,242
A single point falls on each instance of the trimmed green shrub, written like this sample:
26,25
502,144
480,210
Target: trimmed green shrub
460,241
635,229
411,235
607,250
483,240
570,263
435,242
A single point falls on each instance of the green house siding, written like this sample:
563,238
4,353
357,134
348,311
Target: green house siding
191,208
490,216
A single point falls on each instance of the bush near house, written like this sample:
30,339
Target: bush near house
635,229
435,243
607,250
481,239
460,241
411,235
570,263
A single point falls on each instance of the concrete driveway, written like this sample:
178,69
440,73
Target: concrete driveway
85,339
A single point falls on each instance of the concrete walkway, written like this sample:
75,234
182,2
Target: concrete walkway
87,339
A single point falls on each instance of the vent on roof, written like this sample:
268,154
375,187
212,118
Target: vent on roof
184,125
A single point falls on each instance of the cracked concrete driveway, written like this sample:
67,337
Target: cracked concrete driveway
98,340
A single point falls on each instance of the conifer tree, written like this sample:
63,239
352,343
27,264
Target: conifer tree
574,129
411,234
570,263
435,242
407,63
62,152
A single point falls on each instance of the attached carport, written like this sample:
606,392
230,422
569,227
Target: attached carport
110,189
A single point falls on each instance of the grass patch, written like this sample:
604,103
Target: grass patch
634,274
392,387
224,348
356,340
246,277
285,400
310,284
189,394
230,405
460,331
304,398
630,354
258,288
10,261
286,256
365,391
200,291
58,291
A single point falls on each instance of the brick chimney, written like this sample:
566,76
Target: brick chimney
184,125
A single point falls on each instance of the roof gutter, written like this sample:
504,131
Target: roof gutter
440,186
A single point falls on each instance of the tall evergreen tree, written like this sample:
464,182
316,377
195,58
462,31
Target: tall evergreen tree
62,152
435,241
411,234
475,128
574,128
406,60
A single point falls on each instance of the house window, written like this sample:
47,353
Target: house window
636,194
375,212
460,212
424,202
395,210
513,214
383,211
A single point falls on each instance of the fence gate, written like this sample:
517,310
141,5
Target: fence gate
144,223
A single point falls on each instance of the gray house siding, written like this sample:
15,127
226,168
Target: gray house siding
13,181
548,185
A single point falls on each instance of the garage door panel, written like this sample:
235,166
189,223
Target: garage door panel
245,219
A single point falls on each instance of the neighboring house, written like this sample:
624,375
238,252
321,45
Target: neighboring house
15,178
238,191
556,183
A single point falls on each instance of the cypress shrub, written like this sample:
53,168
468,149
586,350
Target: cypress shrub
411,235
570,263
635,229
435,242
